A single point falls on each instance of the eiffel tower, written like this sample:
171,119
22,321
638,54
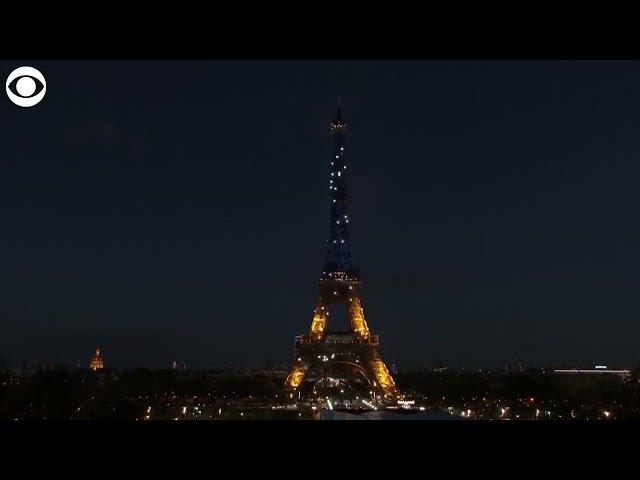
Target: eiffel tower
322,354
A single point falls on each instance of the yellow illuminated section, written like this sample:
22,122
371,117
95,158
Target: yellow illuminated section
319,323
294,379
356,316
384,378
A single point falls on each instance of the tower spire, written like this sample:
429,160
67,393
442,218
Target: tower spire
338,122
338,259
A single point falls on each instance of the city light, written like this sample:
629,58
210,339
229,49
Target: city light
369,404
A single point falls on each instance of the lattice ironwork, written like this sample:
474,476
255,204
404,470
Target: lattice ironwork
319,351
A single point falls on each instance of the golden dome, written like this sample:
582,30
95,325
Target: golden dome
96,361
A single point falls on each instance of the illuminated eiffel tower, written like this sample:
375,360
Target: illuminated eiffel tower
323,354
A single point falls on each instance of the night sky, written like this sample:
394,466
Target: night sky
179,210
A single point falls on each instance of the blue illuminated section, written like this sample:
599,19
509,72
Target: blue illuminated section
339,259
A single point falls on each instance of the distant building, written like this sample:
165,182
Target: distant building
598,371
598,379
514,367
96,362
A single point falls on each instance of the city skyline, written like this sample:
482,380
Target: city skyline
492,205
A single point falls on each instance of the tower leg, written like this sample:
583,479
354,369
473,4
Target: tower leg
384,378
319,322
356,317
294,379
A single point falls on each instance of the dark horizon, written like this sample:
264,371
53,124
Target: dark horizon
178,210
509,367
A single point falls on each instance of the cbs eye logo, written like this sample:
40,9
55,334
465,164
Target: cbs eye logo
26,86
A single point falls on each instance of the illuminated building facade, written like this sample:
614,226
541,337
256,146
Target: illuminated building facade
96,362
598,371
599,378
324,354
